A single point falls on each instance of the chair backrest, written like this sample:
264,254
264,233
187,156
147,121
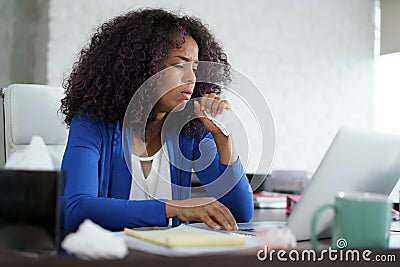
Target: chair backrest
31,109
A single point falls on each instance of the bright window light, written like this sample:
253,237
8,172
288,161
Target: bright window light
387,93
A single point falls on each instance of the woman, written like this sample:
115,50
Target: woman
121,56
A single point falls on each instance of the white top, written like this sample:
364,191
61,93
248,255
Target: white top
158,182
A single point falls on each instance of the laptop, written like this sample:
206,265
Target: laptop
355,161
29,210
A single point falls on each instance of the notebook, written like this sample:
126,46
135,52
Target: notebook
186,236
29,212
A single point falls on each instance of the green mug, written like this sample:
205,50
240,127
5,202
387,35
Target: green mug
361,220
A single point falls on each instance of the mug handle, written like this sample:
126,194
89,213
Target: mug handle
314,220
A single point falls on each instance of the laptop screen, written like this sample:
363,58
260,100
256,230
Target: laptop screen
29,210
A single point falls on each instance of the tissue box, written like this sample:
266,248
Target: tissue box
29,210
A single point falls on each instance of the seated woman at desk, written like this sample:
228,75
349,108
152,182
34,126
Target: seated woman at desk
99,184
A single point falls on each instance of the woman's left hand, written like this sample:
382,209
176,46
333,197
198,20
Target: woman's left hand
213,105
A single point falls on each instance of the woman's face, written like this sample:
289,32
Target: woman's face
178,80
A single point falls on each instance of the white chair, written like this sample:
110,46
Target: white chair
31,109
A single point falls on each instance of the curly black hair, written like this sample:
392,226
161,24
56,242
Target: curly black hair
126,51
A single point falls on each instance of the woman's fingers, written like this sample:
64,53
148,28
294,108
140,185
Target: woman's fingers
210,126
207,210
221,219
197,109
203,102
216,106
213,104
209,103
224,106
228,217
215,217
211,223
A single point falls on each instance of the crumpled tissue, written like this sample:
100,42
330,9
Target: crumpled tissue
91,241
34,156
276,237
224,121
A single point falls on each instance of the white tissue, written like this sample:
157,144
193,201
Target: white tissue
224,121
94,242
275,237
35,156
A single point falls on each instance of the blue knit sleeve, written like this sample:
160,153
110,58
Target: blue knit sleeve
227,183
84,173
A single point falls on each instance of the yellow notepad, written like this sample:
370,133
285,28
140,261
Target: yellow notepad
186,236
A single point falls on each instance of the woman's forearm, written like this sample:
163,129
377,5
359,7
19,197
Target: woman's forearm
226,150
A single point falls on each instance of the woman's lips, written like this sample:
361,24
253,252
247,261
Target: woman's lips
186,94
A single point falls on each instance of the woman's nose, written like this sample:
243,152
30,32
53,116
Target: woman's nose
189,74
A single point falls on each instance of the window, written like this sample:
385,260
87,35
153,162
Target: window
387,93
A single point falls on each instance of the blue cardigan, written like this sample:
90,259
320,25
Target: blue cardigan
97,180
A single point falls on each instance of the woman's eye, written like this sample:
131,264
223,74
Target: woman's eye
181,66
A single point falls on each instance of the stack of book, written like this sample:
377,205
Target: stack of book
269,200
272,200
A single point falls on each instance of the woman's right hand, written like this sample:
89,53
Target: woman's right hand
204,209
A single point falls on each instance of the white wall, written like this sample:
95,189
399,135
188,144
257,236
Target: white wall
313,59
6,37
40,36
23,41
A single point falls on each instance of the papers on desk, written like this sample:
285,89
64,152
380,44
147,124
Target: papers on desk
186,236
189,241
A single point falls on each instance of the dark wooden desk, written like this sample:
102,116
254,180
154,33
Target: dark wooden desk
137,258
